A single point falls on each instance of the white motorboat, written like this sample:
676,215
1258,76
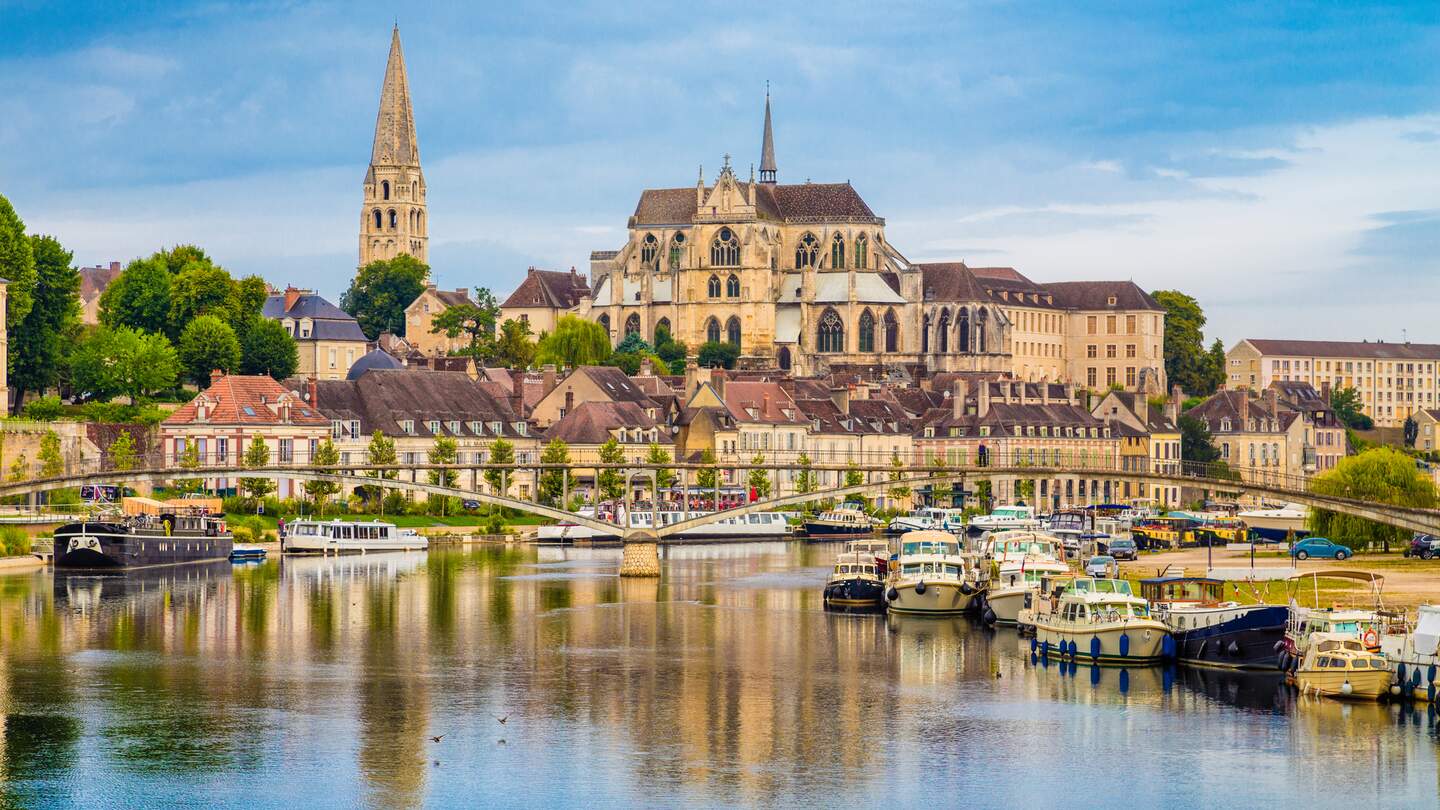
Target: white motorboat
1276,524
755,524
1005,517
1020,560
1413,653
1100,621
930,518
931,576
347,537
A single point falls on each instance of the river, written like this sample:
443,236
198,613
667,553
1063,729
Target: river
319,683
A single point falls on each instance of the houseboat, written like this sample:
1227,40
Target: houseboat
843,522
1101,622
1360,623
1044,601
1336,665
348,537
176,535
1019,561
1005,517
950,520
1276,524
1162,532
754,524
856,581
1209,630
932,576
1413,653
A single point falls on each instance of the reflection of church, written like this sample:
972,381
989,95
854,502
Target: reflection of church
801,276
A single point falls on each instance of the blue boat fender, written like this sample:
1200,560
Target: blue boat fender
1074,650
1415,678
893,594
1095,648
1431,673
1033,644
1167,646
1044,649
966,589
1233,649
1400,674
1125,645
920,587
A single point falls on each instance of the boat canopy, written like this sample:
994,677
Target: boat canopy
1427,630
1359,576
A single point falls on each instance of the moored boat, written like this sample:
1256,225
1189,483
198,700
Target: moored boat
1336,665
178,535
841,522
855,582
1100,621
347,537
1005,517
1276,524
1020,560
754,524
1209,630
926,519
931,576
1413,653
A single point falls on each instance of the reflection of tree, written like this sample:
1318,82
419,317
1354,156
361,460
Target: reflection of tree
442,571
394,711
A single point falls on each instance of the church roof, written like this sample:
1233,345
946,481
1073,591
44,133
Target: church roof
797,202
377,360
549,288
767,146
395,141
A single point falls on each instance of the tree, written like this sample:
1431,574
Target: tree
1216,367
268,349
52,463
942,493
476,320
1186,363
382,290
575,342
1412,431
611,483
718,353
664,478
189,460
37,341
502,452
1348,408
707,477
898,491
256,455
633,344
1025,489
759,478
381,450
207,344
320,491
122,452
1380,474
139,298
668,349
805,479
853,476
177,258
199,289
20,468
121,360
552,481
1196,444
17,264
514,348
443,451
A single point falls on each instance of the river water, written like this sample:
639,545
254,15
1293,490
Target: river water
320,682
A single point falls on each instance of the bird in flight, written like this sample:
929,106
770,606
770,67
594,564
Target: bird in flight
502,720
437,739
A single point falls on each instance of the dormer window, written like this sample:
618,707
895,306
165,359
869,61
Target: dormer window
354,428
984,431
433,426
522,429
497,428
1225,425
954,432
1017,430
1110,302
407,426
455,427
929,431
475,428
1044,430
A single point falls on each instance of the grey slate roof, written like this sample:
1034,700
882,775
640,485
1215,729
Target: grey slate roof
381,399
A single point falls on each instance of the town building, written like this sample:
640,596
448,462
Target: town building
1427,435
224,419
94,281
1150,441
592,424
543,297
420,316
1394,380
1324,439
1257,437
590,384
328,340
393,216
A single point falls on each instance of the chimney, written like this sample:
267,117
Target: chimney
982,405
1070,393
1044,392
530,271
957,398
114,267
1244,409
291,296
569,401
1325,392
765,405
1172,407
1272,401
717,379
547,379
312,392
840,395
647,368
216,375
517,392
464,291
572,272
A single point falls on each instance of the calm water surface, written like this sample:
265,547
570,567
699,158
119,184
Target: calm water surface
319,682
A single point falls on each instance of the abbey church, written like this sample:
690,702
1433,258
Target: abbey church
799,276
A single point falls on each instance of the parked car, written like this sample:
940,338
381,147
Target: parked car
1424,546
1101,566
1123,548
470,503
1321,547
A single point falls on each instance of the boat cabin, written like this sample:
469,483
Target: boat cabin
856,564
341,530
1198,590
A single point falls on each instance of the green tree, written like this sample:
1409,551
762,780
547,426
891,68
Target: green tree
575,342
122,452
670,350
268,349
52,463
853,476
718,353
1216,367
320,491
199,289
20,468
1380,475
207,344
502,453
942,493
17,264
664,477
189,460
443,451
37,341
611,483
121,360
256,455
805,481
1025,490
179,257
381,450
382,290
707,477
139,298
552,482
898,491
476,320
759,477
1348,408
1186,363
1196,444
515,348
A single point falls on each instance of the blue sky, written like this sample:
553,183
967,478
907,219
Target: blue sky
1279,161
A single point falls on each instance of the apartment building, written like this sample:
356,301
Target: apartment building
1394,380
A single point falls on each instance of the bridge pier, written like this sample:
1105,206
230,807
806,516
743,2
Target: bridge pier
640,555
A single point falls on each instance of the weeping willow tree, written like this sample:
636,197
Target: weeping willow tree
1381,475
575,342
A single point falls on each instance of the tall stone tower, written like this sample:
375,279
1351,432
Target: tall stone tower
393,219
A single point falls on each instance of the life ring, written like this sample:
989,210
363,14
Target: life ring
1371,640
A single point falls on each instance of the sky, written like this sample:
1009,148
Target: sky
1278,161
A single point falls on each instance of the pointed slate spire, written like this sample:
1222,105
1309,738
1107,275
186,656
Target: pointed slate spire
395,142
767,147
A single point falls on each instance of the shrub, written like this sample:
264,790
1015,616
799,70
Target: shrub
14,542
45,409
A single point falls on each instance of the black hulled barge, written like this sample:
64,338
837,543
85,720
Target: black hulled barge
179,535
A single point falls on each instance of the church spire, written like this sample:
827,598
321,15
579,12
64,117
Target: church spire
395,142
767,147
394,219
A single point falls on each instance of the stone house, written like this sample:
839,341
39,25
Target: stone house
419,317
328,339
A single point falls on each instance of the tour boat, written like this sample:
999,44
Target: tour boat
754,524
1413,653
931,576
856,581
1162,532
348,537
1276,524
1336,665
1020,560
178,535
1100,621
839,523
1005,517
1210,631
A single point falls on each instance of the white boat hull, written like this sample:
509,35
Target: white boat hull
326,545
1006,603
1145,646
938,597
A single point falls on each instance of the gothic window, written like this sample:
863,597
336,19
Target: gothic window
650,252
807,253
981,321
713,287
837,252
632,324
732,286
394,219
712,331
663,323
942,332
830,335
604,321
414,190
964,330
925,334
419,221
677,249
732,331
385,189
867,332
892,331
862,248
725,250
784,358
379,223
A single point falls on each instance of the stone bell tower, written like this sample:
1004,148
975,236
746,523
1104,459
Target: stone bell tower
393,219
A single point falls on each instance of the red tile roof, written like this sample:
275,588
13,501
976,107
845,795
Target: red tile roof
242,400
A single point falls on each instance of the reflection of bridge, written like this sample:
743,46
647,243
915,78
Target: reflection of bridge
879,479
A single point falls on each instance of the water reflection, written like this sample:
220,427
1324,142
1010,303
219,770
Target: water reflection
320,681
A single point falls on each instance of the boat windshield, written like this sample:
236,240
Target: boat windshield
940,569
930,547
1119,586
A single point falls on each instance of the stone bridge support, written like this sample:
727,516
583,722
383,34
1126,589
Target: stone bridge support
640,556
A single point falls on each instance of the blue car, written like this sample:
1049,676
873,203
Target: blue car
1320,547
